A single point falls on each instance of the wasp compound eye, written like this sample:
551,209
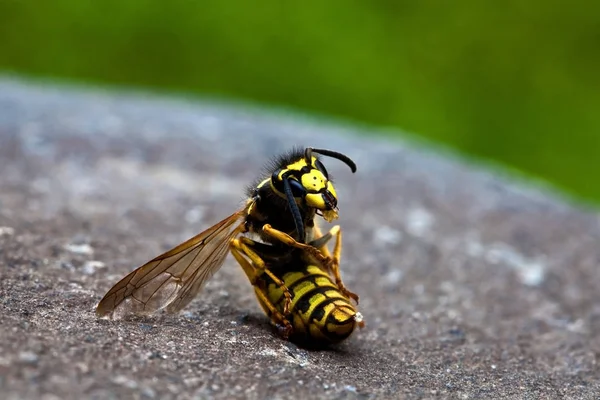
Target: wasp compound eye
298,190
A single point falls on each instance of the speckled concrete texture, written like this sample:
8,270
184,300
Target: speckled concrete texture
472,285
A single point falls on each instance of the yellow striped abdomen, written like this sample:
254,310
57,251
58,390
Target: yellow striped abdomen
320,313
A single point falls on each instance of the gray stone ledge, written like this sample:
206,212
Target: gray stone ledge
473,285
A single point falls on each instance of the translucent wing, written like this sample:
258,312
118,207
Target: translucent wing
174,278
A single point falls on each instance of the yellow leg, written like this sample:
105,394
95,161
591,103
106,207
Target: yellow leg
243,245
332,263
290,241
317,234
254,269
283,325
335,264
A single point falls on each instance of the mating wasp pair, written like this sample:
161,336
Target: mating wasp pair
295,277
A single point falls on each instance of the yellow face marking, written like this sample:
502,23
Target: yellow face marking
301,163
314,181
296,166
315,200
331,189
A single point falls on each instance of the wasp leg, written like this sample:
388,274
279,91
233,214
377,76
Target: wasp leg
290,241
240,248
243,245
319,241
332,263
335,264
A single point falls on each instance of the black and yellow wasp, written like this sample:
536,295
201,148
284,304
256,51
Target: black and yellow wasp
295,278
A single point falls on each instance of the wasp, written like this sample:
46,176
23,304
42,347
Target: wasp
295,278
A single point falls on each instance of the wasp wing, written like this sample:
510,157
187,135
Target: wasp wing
174,278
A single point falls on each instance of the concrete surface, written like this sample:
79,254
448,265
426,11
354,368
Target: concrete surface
472,286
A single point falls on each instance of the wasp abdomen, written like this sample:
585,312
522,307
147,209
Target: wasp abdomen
319,312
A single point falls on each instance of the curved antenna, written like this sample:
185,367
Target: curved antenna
334,154
294,208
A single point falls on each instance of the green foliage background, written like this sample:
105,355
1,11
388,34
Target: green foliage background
514,81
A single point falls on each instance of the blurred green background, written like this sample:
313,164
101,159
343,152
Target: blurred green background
514,81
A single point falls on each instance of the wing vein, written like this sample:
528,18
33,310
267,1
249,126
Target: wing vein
174,278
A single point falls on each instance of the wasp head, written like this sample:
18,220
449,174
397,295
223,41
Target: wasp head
305,182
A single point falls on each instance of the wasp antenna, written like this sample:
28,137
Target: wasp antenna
294,208
334,154
308,156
